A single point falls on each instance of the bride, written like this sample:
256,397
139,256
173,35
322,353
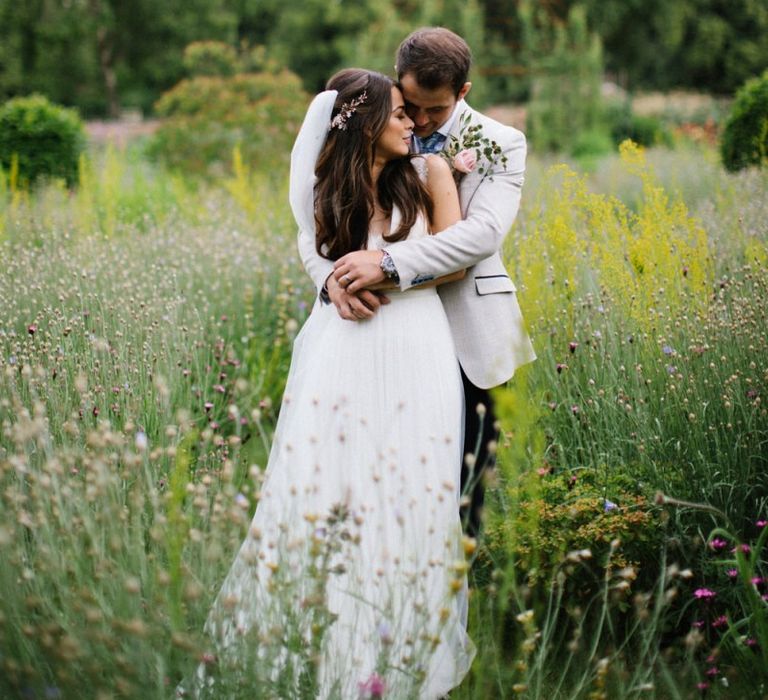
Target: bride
351,582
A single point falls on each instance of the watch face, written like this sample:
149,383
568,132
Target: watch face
388,267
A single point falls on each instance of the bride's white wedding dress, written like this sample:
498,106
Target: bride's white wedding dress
371,430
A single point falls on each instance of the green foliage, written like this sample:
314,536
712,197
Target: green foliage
206,118
102,55
622,124
745,138
46,139
211,58
567,72
589,146
575,511
313,37
391,22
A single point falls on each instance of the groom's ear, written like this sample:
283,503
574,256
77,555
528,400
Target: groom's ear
464,90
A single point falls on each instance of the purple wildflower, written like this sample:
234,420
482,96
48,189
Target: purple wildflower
608,506
668,350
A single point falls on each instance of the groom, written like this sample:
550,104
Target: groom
491,342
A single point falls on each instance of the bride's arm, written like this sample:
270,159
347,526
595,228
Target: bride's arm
447,210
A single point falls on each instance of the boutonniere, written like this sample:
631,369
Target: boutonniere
472,149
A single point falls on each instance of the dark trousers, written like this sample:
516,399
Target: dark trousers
479,430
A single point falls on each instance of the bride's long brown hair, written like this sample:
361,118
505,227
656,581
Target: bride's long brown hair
344,191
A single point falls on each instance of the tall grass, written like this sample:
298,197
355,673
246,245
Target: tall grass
145,331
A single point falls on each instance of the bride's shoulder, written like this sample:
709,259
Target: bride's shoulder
430,165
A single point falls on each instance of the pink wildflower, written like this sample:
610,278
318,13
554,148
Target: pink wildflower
721,621
717,544
732,573
743,548
372,688
704,594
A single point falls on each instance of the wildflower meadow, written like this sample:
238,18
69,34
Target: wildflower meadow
146,322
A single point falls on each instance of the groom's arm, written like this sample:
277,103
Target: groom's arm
490,215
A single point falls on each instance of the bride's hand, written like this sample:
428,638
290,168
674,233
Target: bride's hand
359,270
354,307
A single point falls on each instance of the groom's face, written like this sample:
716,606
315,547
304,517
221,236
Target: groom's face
429,108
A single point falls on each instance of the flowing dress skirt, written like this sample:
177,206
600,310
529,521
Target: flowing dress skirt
355,547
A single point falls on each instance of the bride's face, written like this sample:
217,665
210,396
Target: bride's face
395,140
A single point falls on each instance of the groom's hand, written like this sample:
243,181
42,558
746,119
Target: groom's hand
354,307
359,269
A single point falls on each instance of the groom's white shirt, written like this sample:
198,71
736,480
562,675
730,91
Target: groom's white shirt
482,308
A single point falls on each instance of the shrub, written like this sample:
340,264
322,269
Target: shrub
589,146
574,511
47,139
745,138
644,130
206,117
210,58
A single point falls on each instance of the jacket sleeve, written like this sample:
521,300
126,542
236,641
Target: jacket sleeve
489,216
317,267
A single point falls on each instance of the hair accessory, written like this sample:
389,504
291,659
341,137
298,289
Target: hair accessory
347,110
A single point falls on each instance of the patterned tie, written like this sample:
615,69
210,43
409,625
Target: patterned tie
432,143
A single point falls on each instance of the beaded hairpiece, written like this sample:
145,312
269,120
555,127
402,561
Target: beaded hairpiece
347,110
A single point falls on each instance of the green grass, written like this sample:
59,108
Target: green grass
145,329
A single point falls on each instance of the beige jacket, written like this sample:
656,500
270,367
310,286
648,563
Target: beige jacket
482,309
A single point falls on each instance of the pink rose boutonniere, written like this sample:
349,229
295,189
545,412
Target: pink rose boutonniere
465,161
472,150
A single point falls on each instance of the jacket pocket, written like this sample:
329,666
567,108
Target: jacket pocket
494,284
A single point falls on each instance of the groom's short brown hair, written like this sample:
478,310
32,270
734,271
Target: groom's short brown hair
435,57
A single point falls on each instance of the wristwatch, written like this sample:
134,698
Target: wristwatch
387,266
